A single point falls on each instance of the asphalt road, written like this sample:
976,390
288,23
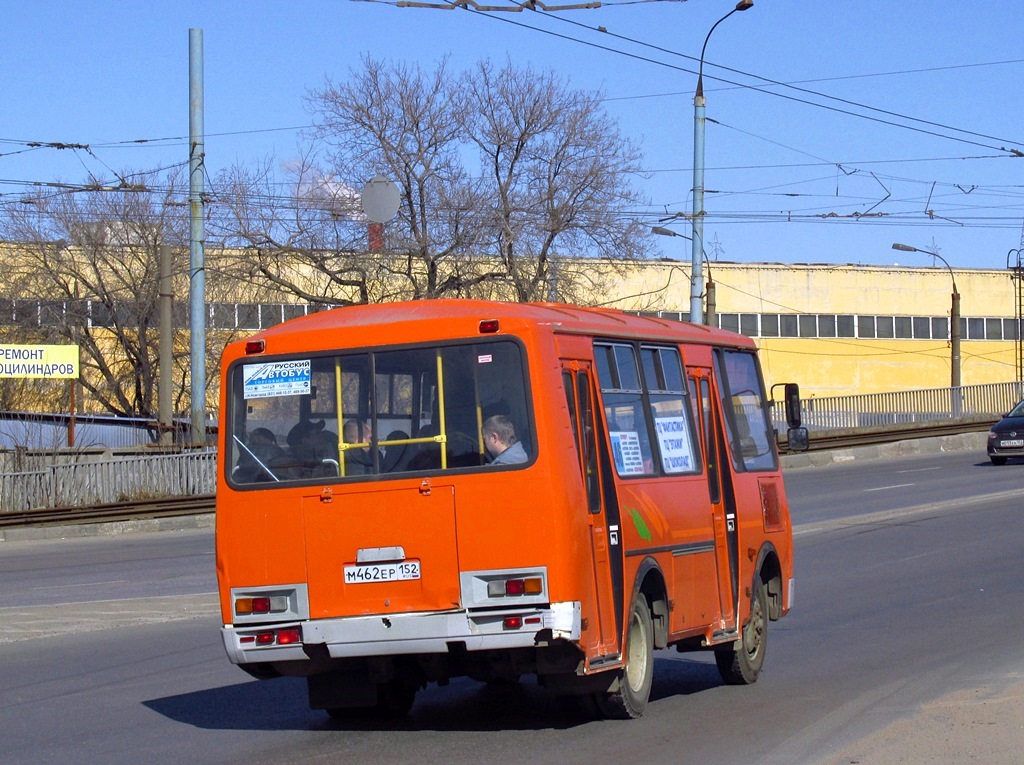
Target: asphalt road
908,589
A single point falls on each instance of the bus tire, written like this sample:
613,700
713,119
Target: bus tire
632,687
740,662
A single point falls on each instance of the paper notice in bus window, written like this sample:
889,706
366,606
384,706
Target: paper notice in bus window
278,378
676,448
629,459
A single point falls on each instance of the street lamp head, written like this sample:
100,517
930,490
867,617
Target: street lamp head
662,231
904,247
743,5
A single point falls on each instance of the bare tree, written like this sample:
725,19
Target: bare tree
556,177
304,241
83,270
406,124
510,183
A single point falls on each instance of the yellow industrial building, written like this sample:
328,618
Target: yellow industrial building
836,330
849,329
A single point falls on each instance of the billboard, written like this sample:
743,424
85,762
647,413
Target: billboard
49,362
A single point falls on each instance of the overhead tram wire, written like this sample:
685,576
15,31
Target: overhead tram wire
646,59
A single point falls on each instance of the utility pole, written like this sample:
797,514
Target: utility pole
166,347
697,243
197,271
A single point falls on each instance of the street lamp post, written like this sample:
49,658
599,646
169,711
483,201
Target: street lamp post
709,317
954,317
697,282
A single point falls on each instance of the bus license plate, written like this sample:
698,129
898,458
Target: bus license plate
1015,442
382,572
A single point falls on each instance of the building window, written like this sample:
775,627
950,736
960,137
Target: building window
788,326
1010,329
248,316
975,329
845,326
993,329
748,324
865,326
808,323
922,328
729,321
223,315
940,328
826,325
903,328
293,311
769,325
884,327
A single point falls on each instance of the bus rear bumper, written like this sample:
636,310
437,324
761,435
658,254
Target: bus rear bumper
415,633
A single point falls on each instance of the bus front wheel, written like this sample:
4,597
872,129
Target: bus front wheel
633,686
740,662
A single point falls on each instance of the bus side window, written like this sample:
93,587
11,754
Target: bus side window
705,417
673,425
590,471
747,427
624,409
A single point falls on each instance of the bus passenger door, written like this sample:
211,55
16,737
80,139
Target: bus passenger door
723,509
605,538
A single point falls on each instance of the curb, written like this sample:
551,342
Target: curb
964,442
113,528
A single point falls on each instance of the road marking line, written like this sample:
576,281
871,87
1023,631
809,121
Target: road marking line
886,488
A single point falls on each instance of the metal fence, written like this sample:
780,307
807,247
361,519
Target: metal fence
927,405
111,480
83,482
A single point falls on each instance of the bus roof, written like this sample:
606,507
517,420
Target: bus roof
424,320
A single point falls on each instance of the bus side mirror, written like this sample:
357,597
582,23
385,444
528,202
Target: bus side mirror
793,417
797,440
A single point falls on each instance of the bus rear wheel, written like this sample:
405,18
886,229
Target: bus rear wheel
740,662
633,685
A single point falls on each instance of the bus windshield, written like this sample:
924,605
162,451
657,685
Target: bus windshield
377,412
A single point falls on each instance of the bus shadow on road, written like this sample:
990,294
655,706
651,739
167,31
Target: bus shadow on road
463,705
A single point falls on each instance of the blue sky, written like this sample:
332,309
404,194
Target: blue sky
792,176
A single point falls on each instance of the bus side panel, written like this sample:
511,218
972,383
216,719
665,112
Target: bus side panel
670,520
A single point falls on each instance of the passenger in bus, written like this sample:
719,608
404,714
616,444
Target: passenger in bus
501,441
358,461
261,455
312,449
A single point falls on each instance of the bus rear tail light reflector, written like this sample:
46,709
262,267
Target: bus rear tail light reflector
498,588
512,622
289,636
286,636
261,605
488,326
255,346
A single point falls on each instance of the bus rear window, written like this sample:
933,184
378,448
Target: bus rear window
379,412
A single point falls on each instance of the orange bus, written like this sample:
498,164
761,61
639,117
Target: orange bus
417,491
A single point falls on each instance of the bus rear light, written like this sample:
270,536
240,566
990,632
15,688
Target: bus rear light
512,622
286,636
261,605
497,588
255,346
289,636
488,326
